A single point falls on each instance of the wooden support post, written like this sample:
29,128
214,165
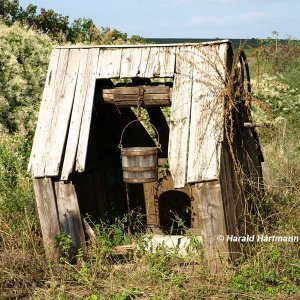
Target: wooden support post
158,119
151,206
211,214
69,214
48,216
196,225
231,199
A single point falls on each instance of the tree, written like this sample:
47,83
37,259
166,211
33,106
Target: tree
53,24
83,30
9,11
57,27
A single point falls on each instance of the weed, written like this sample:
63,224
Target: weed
64,242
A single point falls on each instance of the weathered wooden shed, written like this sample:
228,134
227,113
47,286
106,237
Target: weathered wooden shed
208,150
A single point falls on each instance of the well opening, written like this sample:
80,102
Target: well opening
101,191
174,212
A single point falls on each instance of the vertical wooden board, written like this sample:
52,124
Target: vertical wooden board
180,115
145,54
131,60
152,191
47,211
61,116
86,63
206,127
157,118
110,63
69,213
231,199
99,65
47,105
167,61
43,115
151,205
87,112
152,68
50,109
211,214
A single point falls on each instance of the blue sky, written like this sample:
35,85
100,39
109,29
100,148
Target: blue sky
186,18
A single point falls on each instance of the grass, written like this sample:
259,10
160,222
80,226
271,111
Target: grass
270,272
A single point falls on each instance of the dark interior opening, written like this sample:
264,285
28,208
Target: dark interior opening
174,212
101,191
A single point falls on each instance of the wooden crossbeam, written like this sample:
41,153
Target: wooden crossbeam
159,95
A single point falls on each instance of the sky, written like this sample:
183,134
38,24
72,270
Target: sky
242,19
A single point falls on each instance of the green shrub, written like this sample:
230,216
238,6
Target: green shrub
274,270
24,57
16,191
276,76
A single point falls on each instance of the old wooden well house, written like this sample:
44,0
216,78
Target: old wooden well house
205,150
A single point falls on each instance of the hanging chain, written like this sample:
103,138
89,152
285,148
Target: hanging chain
140,101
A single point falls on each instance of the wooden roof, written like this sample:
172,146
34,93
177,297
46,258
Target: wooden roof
61,138
144,45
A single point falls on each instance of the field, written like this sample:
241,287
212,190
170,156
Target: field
268,271
251,43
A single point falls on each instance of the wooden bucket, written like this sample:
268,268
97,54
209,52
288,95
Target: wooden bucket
139,164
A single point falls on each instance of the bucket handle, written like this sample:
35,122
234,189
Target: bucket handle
158,145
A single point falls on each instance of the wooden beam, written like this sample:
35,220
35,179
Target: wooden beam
232,200
48,216
159,95
69,214
211,214
158,119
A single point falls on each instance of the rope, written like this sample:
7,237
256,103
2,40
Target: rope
158,145
140,101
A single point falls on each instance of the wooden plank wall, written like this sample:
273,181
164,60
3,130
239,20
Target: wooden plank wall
69,214
87,113
58,211
213,224
64,122
44,118
196,129
206,126
180,116
61,114
154,190
48,214
80,119
62,132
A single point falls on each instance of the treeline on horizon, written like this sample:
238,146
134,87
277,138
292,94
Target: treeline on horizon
236,43
58,26
252,43
84,30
